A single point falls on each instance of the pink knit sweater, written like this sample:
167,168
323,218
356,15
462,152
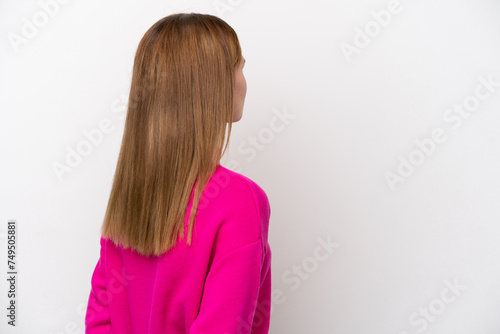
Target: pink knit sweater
221,284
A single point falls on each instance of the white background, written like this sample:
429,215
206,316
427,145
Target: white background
323,171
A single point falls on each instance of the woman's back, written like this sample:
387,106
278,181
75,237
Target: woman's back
221,283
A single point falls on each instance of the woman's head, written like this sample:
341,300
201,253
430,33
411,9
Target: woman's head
187,88
192,63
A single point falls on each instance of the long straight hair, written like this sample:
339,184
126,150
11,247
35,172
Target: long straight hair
179,109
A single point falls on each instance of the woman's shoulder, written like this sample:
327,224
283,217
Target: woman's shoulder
242,203
240,193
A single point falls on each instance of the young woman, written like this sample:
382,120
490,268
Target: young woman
187,89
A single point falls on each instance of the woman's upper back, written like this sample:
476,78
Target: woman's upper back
220,283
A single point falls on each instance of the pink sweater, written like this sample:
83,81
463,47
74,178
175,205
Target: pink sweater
221,284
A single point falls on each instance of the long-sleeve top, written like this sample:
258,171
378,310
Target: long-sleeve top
220,284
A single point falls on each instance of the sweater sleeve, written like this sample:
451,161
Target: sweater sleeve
231,292
97,318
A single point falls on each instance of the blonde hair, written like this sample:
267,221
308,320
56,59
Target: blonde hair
179,108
